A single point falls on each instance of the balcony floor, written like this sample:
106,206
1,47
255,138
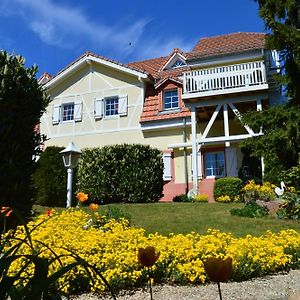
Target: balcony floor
225,91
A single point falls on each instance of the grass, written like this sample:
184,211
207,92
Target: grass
168,218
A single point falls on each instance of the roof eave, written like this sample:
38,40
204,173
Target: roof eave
87,60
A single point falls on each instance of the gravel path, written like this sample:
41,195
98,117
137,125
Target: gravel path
276,287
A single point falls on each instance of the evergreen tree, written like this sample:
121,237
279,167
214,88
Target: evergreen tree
280,144
22,102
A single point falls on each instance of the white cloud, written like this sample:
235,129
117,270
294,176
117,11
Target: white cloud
69,27
66,27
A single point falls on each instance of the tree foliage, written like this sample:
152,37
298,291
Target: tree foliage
280,144
282,18
22,102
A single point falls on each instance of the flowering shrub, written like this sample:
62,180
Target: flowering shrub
200,198
224,199
255,191
113,249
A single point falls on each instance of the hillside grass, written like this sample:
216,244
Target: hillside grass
166,218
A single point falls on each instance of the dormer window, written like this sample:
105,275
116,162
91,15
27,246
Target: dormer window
171,99
178,63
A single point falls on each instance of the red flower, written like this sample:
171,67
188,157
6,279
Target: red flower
218,269
49,212
6,210
147,257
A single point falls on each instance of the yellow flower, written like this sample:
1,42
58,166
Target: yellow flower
82,197
93,206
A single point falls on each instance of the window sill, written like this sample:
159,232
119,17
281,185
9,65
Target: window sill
170,111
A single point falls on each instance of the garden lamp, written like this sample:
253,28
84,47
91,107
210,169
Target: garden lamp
70,156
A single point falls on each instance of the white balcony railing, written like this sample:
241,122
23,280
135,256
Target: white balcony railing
238,77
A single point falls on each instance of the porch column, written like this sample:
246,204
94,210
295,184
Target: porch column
259,108
194,150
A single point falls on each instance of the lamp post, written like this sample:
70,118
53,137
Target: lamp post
70,156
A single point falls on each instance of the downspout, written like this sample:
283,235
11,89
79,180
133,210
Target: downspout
186,176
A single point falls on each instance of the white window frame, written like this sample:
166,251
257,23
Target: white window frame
171,98
116,109
62,112
224,164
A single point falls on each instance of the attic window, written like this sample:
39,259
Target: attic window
178,63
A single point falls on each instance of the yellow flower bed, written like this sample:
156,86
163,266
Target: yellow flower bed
113,249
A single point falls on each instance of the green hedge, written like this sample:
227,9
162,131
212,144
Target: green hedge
50,179
230,186
127,173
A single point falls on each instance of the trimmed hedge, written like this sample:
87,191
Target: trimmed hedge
126,173
50,179
228,186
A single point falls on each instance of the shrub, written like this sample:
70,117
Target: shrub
290,209
251,210
121,173
253,191
182,198
200,198
230,186
50,178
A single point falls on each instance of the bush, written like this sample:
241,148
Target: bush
50,179
182,198
200,198
251,210
290,209
253,191
121,173
229,186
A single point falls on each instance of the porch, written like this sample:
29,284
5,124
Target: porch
235,78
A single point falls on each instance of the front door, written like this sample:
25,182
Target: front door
214,164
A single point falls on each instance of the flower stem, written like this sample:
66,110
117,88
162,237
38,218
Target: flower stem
219,288
150,286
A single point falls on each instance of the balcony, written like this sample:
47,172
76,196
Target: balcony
225,80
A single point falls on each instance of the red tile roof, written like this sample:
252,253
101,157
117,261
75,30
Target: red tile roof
228,44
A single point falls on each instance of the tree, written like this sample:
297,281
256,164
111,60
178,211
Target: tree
22,103
280,144
282,18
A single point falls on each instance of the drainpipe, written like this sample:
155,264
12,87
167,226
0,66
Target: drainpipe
186,176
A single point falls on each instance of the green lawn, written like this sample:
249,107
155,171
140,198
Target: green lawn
186,217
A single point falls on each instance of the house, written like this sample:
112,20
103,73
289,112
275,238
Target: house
188,105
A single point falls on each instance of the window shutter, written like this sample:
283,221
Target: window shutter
231,162
56,114
77,111
122,108
167,159
98,108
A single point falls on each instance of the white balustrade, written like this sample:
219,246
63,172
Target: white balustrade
224,77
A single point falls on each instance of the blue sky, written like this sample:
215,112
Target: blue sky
53,33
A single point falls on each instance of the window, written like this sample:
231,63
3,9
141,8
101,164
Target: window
214,164
178,63
171,99
111,106
68,112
